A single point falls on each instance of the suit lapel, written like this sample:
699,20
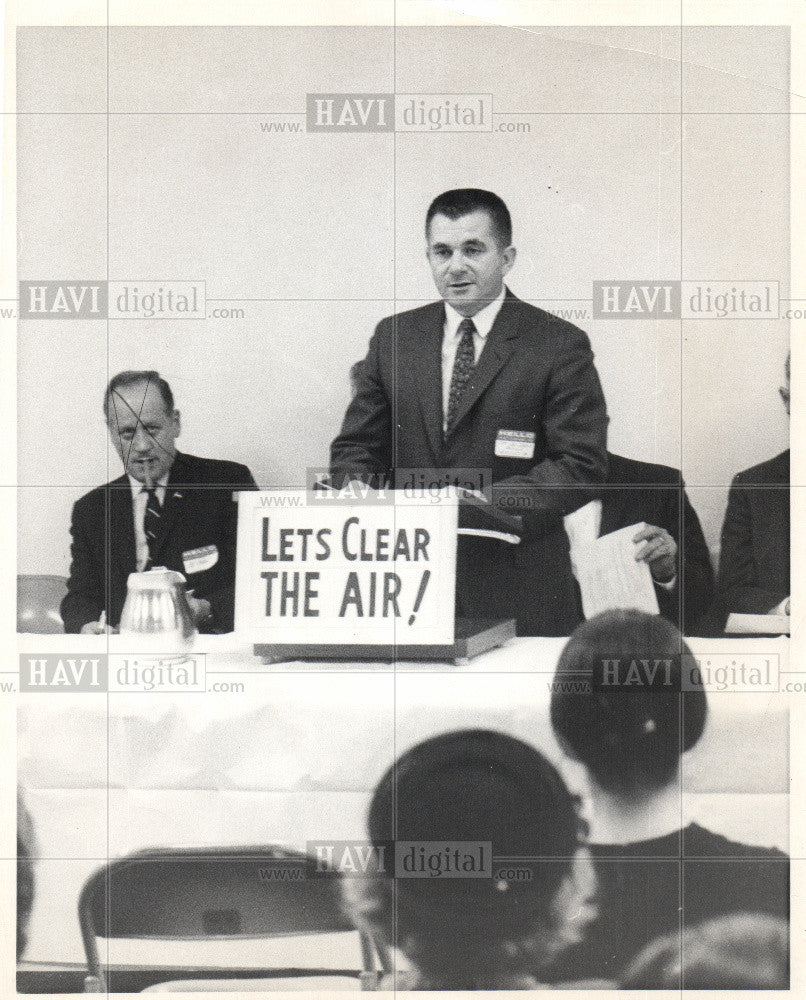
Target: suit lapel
426,363
611,510
172,507
501,342
122,550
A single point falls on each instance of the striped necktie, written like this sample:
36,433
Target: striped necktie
463,367
151,523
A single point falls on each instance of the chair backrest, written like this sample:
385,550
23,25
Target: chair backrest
38,602
207,894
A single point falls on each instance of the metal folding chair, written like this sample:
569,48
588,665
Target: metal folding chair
218,894
38,600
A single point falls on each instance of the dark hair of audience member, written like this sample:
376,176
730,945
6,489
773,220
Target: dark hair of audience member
629,736
742,951
477,933
25,872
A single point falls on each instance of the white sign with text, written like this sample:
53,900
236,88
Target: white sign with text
358,572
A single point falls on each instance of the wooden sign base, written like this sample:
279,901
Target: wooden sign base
472,636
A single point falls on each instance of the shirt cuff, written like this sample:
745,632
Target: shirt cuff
668,585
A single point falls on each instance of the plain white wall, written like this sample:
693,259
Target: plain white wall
326,230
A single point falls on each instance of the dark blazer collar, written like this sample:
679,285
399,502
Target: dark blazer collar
179,470
175,495
780,465
119,510
428,362
121,513
498,349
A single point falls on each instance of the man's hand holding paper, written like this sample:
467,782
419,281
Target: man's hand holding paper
612,575
657,548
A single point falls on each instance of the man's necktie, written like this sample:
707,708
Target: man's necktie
462,368
151,523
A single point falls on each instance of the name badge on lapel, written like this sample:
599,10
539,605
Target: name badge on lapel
198,560
515,444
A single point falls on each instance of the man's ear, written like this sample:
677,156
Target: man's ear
509,256
177,418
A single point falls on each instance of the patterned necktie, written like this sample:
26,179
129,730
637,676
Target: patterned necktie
462,368
151,522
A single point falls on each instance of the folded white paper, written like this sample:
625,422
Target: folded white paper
610,577
758,624
502,536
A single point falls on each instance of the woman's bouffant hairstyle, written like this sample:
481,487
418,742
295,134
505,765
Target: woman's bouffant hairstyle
461,932
627,700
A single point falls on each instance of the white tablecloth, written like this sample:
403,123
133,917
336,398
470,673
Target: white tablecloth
294,755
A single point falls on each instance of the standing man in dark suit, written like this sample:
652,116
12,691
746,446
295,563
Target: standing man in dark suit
754,557
484,381
671,544
168,509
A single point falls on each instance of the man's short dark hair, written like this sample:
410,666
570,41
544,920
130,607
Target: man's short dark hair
462,201
124,379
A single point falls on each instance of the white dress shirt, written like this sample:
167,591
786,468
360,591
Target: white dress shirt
139,504
483,321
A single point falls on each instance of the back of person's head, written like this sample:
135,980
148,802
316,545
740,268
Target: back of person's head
458,790
624,702
25,872
462,201
123,380
743,951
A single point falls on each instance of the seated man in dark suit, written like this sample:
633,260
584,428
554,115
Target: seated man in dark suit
168,509
754,558
672,543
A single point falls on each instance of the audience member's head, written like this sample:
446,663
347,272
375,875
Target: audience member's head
617,705
470,932
743,951
25,872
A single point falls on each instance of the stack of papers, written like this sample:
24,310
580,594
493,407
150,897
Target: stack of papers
758,624
610,577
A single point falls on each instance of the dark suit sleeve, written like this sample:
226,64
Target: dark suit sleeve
575,435
694,571
84,600
738,588
363,448
698,573
222,598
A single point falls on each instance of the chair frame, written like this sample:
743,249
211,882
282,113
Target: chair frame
96,900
